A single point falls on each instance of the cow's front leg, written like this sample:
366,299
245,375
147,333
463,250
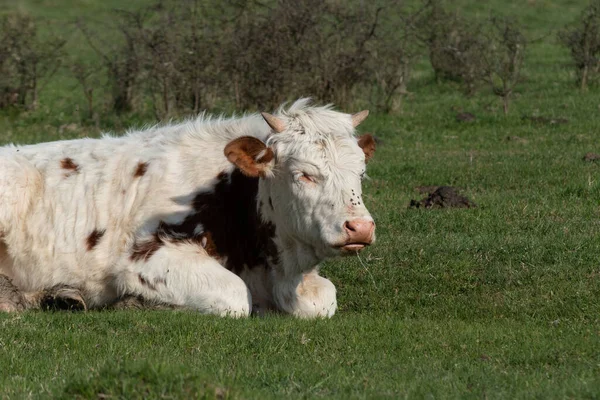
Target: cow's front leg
306,296
182,275
129,302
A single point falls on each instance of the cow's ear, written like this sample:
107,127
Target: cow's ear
368,144
250,155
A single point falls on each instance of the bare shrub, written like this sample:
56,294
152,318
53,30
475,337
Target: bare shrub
391,58
504,57
343,49
183,56
87,78
583,40
270,50
26,61
455,45
168,54
289,48
122,60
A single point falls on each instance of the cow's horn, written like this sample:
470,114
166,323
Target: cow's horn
275,123
359,117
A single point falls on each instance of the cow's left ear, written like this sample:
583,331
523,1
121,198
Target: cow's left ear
368,144
250,155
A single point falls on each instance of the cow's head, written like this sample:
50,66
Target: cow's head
310,170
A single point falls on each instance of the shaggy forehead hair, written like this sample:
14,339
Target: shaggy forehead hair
317,133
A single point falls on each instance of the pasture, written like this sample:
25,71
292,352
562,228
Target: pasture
497,301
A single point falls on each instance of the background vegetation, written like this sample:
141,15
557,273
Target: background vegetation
498,301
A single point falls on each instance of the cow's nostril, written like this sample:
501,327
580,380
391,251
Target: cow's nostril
359,230
349,226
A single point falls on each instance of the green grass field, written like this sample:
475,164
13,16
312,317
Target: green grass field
499,301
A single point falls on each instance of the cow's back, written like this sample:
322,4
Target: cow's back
72,207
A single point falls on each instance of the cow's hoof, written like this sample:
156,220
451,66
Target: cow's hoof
11,299
63,298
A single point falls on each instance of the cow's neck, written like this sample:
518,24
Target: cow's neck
295,257
229,212
234,216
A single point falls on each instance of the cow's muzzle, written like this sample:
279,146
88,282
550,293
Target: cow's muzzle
360,233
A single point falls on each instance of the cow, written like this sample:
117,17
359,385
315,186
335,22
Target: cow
226,216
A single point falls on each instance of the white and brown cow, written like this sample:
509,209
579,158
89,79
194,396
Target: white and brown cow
224,216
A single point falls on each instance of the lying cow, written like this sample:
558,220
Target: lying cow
224,216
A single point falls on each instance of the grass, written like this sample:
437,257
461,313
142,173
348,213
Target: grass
142,355
500,301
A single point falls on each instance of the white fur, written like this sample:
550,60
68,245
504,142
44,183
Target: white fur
47,212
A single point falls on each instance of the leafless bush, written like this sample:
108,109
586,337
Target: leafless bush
288,48
583,40
168,53
455,45
122,60
86,76
392,56
181,56
503,60
26,61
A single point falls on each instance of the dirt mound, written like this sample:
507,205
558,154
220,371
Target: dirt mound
591,157
465,117
442,197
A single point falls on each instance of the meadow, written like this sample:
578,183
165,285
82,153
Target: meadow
497,301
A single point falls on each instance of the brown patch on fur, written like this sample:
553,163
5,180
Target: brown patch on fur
142,251
94,237
210,247
367,143
234,233
244,152
69,164
141,169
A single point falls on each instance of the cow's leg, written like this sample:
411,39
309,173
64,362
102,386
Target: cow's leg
61,297
259,280
184,275
305,296
129,302
11,298
57,298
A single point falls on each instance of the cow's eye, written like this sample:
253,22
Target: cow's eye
304,177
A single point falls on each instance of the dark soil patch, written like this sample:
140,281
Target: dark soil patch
426,189
465,117
545,120
591,157
442,197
